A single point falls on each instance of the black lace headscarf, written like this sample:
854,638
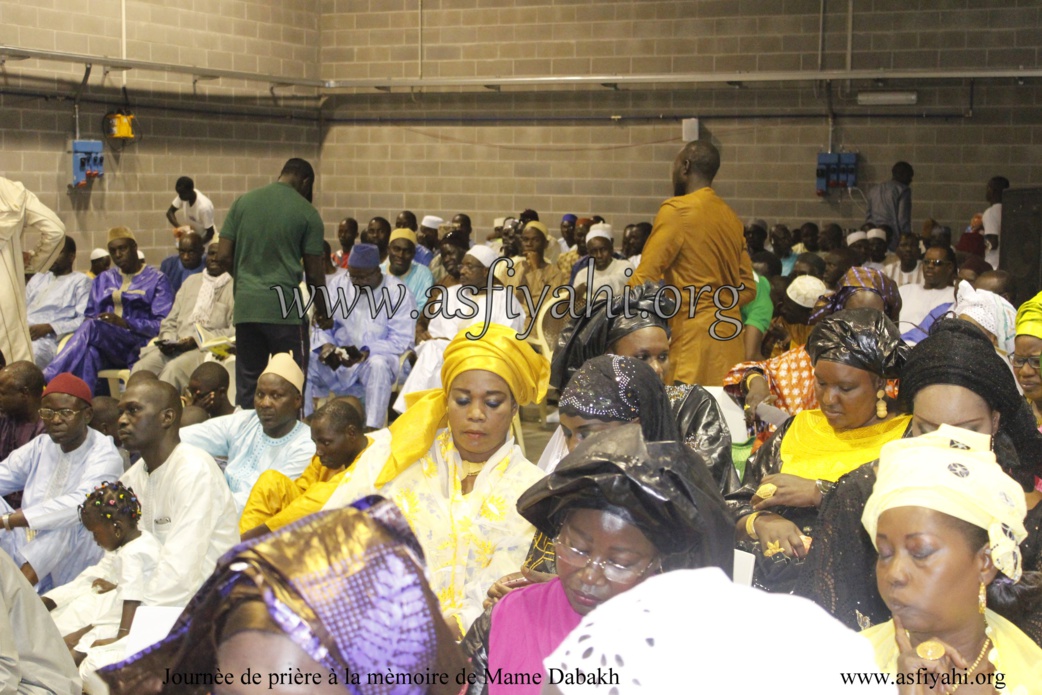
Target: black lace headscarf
958,353
621,389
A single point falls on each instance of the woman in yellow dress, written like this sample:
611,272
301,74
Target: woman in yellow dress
453,468
947,522
853,352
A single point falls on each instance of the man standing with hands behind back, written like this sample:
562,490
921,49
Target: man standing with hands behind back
697,241
267,234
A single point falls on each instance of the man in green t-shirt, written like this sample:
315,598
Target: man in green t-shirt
266,236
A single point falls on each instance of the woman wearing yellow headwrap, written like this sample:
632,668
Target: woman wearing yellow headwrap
1027,349
947,522
452,467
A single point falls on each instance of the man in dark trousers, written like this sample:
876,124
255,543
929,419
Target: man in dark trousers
267,234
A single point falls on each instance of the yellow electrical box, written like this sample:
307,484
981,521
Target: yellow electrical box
120,126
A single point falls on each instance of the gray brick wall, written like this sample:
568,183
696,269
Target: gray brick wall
448,150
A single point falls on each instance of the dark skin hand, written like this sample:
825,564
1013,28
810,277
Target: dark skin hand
793,491
177,347
772,528
110,318
40,330
910,662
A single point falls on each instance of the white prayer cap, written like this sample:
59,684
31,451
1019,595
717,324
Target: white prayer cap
855,237
282,364
601,230
483,254
98,254
644,635
805,290
432,222
877,234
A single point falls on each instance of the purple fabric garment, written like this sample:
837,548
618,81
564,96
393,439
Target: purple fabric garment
146,302
14,434
527,626
97,345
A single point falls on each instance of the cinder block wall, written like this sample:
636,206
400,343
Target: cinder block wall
610,152
189,131
489,153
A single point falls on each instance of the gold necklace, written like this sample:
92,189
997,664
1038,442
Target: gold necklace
969,672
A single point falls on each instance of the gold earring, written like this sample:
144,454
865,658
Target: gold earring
881,404
982,598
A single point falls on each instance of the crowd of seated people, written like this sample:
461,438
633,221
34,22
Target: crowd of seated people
377,493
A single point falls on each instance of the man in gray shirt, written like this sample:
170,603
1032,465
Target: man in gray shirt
890,203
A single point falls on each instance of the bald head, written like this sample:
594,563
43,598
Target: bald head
998,281
211,375
25,375
21,388
149,416
341,414
144,376
695,167
106,415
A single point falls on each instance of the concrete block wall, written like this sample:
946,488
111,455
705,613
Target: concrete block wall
488,153
609,152
225,154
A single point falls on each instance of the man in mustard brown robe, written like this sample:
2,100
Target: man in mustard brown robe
696,245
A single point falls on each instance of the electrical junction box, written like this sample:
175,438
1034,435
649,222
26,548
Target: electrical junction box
88,163
836,170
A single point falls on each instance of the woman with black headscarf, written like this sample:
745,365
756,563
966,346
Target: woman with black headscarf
632,325
620,509
954,377
854,352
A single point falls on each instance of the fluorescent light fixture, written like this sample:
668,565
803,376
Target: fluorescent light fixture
887,98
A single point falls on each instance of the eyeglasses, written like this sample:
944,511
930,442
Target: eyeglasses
1018,361
612,572
937,262
48,414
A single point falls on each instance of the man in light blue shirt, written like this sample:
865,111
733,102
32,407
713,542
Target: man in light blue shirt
401,251
55,304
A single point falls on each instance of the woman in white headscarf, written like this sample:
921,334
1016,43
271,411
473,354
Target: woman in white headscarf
479,298
947,522
990,313
608,271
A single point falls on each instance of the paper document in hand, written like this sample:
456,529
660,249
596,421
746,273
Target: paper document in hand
220,345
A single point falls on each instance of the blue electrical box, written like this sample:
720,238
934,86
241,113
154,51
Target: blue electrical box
835,170
88,163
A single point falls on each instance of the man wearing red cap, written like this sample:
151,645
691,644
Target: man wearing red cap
44,536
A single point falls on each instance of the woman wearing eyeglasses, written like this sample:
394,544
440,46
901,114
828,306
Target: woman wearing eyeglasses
1027,349
619,509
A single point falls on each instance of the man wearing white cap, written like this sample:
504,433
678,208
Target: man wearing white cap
794,312
453,310
269,437
100,261
604,269
879,257
857,241
55,302
427,239
21,210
